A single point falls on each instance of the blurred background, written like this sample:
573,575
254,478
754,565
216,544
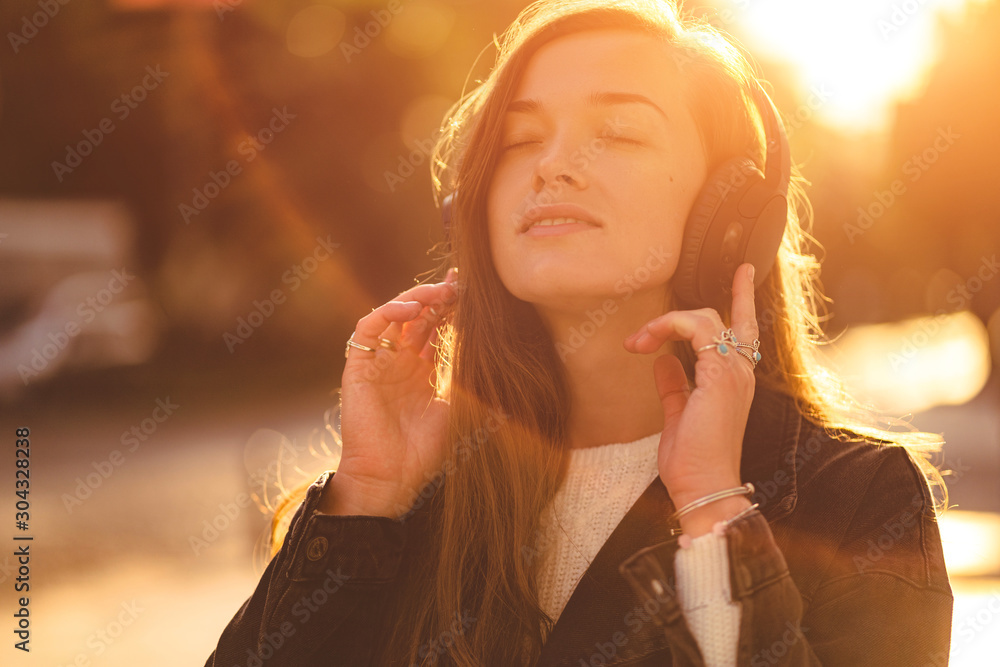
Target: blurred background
199,198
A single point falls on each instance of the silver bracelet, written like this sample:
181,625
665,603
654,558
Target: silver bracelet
742,513
746,489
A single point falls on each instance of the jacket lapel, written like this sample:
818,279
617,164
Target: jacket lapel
604,615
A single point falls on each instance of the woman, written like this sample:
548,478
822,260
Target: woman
555,460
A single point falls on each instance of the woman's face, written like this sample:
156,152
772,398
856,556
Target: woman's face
574,136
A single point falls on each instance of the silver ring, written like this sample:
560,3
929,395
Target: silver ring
744,353
727,340
383,342
352,343
756,356
723,343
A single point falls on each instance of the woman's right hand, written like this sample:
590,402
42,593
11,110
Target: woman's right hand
393,427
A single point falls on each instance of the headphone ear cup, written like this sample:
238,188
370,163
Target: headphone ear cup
697,264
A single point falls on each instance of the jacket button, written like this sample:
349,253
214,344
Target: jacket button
316,549
658,586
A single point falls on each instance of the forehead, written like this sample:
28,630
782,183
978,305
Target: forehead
570,68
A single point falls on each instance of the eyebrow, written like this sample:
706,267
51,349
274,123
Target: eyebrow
600,99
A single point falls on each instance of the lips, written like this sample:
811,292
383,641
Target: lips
554,212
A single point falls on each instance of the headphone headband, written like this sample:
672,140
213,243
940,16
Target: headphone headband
777,157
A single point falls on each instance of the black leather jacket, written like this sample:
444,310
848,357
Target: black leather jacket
841,565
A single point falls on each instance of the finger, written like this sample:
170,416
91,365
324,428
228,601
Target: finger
699,327
744,309
429,349
418,332
389,324
371,327
429,294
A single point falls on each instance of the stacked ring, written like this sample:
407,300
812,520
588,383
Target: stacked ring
727,340
755,357
383,342
722,343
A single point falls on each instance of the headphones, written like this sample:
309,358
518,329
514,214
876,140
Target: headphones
738,216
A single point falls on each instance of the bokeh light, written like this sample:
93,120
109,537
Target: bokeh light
315,31
420,29
971,543
916,364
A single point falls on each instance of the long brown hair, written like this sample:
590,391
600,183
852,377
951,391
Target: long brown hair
498,368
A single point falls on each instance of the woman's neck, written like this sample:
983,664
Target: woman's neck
613,392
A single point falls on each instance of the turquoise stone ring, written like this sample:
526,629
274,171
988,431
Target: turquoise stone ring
727,340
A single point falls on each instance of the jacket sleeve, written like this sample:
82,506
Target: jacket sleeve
318,596
885,606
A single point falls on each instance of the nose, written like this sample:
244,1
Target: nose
555,168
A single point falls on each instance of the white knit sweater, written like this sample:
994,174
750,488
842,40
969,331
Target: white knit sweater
601,486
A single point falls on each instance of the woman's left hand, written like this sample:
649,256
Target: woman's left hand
702,439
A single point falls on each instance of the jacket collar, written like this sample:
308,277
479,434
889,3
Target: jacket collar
604,608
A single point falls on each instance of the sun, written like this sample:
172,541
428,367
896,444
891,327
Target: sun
865,54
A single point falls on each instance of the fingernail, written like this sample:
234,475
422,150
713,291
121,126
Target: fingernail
751,272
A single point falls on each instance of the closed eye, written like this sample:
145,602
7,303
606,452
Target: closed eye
624,140
518,145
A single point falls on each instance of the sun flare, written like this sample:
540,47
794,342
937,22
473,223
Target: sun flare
864,54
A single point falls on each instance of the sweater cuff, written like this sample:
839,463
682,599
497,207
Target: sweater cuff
703,572
704,593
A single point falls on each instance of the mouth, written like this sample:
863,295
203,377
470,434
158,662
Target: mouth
555,215
558,227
